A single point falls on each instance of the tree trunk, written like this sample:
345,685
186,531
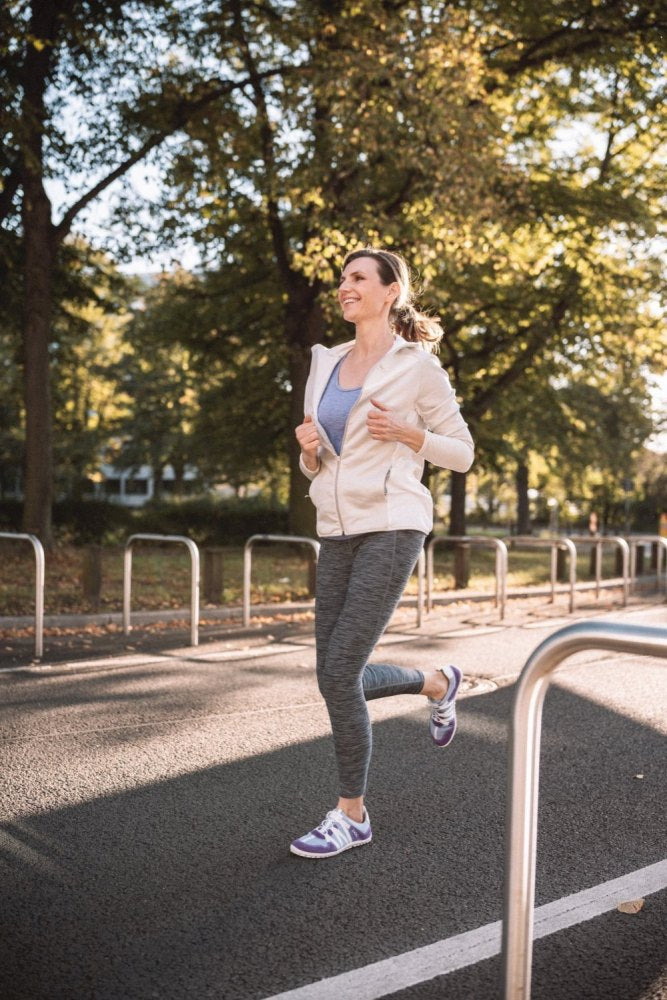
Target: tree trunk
157,468
304,326
457,526
457,515
38,456
301,508
522,502
40,257
38,295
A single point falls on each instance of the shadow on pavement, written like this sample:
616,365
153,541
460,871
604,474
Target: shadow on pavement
184,888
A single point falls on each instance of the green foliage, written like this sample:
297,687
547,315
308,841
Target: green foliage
211,522
207,521
513,151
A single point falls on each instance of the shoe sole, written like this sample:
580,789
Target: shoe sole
441,746
329,854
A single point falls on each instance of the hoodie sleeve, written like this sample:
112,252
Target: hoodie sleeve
307,407
447,440
308,473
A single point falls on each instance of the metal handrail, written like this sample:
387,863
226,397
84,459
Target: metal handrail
598,541
478,540
38,549
523,778
634,541
247,561
554,544
194,578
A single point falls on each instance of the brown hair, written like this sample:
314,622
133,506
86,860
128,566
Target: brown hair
405,318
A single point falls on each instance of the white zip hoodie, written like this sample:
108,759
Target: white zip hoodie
375,485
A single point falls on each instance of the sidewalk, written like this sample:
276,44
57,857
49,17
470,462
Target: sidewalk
149,799
69,637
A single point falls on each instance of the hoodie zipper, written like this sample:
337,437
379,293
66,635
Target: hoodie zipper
338,458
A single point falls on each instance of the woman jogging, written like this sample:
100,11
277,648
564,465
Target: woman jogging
375,409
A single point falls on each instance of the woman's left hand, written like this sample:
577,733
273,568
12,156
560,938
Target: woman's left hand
383,425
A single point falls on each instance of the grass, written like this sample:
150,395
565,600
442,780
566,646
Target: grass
161,577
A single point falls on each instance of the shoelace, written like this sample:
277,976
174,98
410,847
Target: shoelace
444,712
334,824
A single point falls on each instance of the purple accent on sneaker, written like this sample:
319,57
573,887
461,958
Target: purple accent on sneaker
335,834
442,724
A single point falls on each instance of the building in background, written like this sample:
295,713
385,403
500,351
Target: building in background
135,487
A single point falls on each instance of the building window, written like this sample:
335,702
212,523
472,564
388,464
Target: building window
136,487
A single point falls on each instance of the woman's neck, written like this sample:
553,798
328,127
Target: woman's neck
372,338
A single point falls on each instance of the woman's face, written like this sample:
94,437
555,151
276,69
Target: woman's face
361,294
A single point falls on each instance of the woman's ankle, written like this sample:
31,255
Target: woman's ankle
353,808
436,685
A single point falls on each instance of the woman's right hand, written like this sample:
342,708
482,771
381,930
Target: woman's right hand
309,441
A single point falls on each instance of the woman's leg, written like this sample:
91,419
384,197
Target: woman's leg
359,584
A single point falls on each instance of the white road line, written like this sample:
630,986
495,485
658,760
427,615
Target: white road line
422,964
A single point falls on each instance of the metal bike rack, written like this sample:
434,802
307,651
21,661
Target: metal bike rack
554,544
302,540
39,585
634,541
476,540
194,579
523,778
247,561
598,541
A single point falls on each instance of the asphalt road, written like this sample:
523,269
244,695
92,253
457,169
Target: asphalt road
148,801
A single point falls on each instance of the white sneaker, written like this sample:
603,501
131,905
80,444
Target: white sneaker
443,717
335,834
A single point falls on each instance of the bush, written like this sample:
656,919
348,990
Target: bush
211,522
11,513
86,521
205,520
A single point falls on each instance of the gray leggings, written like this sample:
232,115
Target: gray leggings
359,584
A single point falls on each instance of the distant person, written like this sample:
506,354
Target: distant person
375,409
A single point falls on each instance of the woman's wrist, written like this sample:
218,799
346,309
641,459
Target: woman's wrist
414,437
311,462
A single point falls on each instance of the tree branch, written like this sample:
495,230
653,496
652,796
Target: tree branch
255,78
573,41
183,112
479,403
11,185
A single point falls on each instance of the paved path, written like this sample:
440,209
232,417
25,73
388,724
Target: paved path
148,801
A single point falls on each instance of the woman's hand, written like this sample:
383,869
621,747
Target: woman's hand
309,441
383,425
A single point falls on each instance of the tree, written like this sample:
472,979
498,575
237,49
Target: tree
372,140
573,284
434,129
102,61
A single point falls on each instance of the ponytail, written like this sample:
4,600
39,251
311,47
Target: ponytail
417,327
